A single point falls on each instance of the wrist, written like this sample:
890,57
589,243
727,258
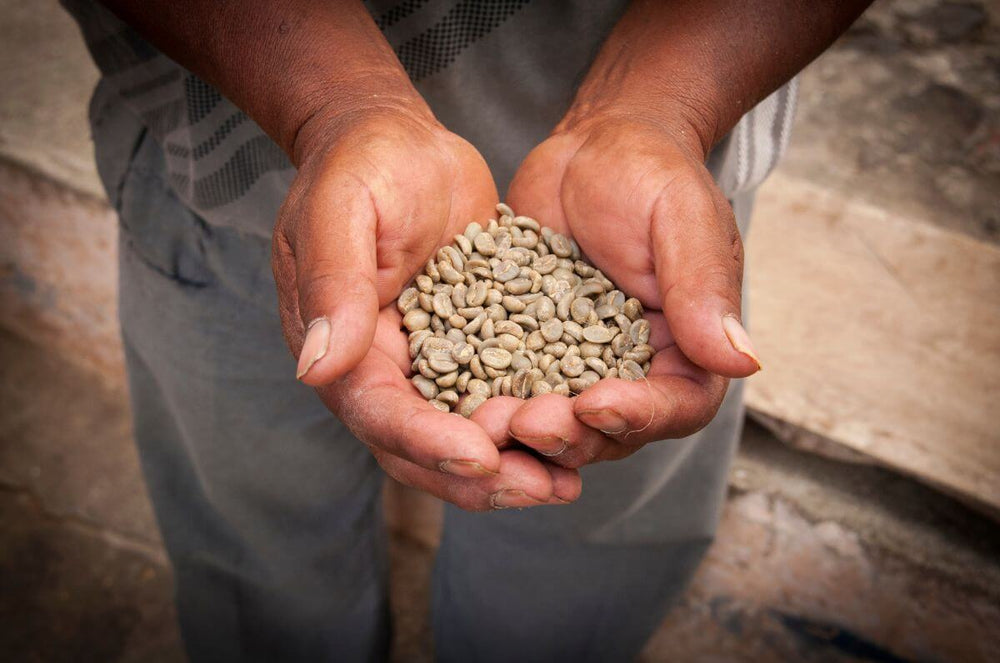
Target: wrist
690,127
629,89
336,115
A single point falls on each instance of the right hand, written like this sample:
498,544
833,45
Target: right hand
376,194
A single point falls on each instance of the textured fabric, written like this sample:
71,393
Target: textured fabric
268,506
498,73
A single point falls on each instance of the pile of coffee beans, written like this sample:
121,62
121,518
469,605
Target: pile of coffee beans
512,309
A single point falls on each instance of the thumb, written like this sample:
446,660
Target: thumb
333,284
698,258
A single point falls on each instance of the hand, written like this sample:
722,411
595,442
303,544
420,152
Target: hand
371,203
644,209
375,196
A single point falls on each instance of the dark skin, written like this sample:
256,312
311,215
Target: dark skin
381,185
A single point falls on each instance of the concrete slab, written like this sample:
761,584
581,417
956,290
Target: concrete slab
58,270
47,77
818,561
877,333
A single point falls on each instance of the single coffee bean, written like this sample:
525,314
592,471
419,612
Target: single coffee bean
505,270
463,381
485,244
477,386
552,330
476,366
572,366
525,322
621,344
630,371
417,339
463,353
508,327
416,320
497,358
472,230
442,363
639,331
465,244
540,387
470,404
509,342
560,245
447,380
449,397
535,341
513,304
424,283
598,334
597,365
426,387
407,300
557,349
632,308
580,309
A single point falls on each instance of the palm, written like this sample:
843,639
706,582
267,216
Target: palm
615,192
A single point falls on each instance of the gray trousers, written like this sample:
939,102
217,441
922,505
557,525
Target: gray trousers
270,508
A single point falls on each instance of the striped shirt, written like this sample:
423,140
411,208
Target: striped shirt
498,73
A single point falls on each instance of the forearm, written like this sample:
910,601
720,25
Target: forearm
704,63
284,62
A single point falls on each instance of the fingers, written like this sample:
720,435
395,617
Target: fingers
443,454
567,486
698,258
327,277
614,418
494,416
675,400
549,425
522,481
387,413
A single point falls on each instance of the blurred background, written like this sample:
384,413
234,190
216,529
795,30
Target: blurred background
862,519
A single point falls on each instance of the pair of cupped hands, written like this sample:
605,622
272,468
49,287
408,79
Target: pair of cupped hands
379,191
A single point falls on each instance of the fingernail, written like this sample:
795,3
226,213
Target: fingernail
739,338
512,499
606,421
546,445
469,469
316,344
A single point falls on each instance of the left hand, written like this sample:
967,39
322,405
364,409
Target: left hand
638,199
